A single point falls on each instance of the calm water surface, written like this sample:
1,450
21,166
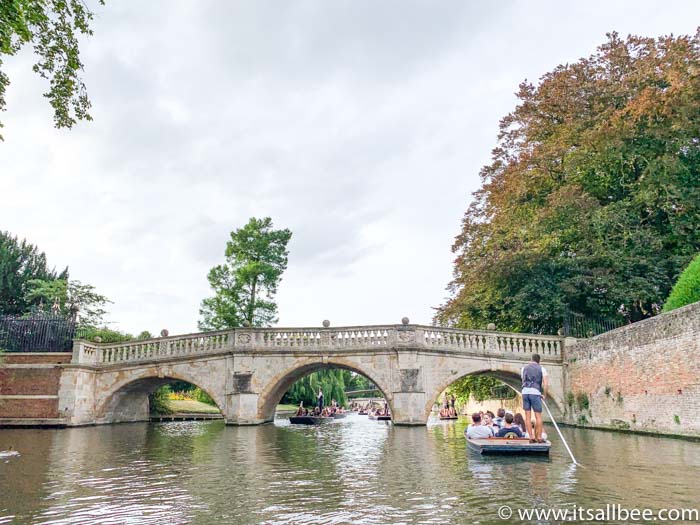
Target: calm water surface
351,471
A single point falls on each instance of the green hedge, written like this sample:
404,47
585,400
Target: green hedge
687,288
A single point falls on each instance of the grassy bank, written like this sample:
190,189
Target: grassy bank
189,406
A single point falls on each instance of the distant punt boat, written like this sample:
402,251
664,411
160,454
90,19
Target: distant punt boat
309,420
448,417
380,418
508,446
362,413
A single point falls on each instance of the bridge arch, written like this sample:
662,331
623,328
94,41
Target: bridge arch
508,377
277,386
127,398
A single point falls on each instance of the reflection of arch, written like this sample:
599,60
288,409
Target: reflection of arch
510,379
275,389
127,400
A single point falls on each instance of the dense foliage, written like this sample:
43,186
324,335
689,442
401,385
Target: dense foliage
105,335
68,298
334,382
687,288
158,401
245,285
21,264
52,27
29,287
591,204
479,388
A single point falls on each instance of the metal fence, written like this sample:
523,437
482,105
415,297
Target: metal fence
46,333
580,326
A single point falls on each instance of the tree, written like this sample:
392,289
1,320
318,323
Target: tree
20,264
68,298
332,381
245,285
687,288
479,387
52,27
591,204
105,335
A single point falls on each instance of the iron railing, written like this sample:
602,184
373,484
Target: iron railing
580,326
45,333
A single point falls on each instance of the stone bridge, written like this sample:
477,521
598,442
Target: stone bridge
247,370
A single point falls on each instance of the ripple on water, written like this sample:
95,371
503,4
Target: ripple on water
350,471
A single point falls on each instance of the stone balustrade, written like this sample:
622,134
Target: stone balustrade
363,338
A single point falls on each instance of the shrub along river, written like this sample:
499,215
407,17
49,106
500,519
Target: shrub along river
350,471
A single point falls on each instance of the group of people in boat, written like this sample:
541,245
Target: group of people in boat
447,409
507,424
502,424
380,411
319,410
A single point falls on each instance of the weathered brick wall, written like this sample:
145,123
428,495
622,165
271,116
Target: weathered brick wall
643,377
29,385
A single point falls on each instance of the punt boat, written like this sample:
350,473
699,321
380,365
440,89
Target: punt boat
339,415
362,413
447,418
506,446
310,420
380,418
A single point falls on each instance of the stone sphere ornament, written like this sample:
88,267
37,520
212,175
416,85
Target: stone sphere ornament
404,320
326,323
491,326
97,339
164,333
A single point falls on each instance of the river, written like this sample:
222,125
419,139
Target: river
350,471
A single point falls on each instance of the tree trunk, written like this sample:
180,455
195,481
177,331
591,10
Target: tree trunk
251,306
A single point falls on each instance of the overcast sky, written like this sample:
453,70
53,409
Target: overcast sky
359,125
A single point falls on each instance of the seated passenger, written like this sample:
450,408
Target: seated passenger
509,429
300,410
476,429
520,421
498,420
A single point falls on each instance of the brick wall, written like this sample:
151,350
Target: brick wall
643,377
29,384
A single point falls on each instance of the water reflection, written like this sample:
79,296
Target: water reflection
351,471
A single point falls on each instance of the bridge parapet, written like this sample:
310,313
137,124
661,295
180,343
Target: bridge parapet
163,348
341,339
501,343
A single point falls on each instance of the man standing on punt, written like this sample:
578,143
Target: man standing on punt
534,389
319,399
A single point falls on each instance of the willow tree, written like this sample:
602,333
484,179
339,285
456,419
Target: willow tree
591,203
245,285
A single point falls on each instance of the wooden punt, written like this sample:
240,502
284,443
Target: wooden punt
362,413
380,418
508,446
309,420
339,415
448,418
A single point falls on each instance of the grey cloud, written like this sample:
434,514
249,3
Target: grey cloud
359,125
